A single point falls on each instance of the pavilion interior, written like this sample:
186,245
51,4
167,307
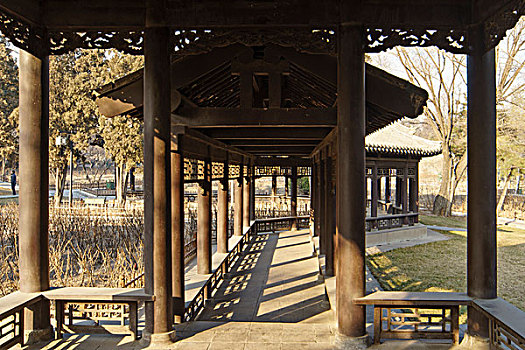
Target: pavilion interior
267,101
261,83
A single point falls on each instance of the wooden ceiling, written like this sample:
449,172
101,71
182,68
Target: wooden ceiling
286,108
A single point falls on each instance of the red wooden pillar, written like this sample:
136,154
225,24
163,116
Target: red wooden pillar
177,228
34,187
222,212
237,205
157,210
481,214
293,201
350,276
246,200
204,222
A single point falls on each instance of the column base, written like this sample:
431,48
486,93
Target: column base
157,340
474,342
343,342
34,336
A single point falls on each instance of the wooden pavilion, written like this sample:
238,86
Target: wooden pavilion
323,44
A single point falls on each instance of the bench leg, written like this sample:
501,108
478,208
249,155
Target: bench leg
378,324
70,318
133,319
454,324
59,316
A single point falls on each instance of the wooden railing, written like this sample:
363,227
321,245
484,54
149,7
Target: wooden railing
206,291
506,323
282,224
277,213
12,317
391,221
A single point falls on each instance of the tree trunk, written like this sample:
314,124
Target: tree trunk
122,183
60,182
504,192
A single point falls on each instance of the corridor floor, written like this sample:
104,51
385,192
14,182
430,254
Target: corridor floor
277,280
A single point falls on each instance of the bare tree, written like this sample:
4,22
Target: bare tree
443,75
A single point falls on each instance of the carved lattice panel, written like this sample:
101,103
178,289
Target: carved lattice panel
130,42
381,39
191,170
383,172
304,171
273,170
217,170
234,171
201,166
369,171
411,172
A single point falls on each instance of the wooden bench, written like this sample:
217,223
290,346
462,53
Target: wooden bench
415,325
93,295
506,322
12,317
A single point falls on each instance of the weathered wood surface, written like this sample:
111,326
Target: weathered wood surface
504,312
16,301
98,294
414,299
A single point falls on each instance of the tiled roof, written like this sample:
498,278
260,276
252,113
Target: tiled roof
397,139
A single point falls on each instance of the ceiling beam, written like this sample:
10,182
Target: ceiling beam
256,117
283,133
209,14
276,143
282,161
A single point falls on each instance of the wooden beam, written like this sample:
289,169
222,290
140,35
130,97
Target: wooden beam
265,143
280,161
284,133
256,117
201,146
276,149
77,14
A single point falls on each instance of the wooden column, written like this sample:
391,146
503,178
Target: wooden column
222,212
274,193
404,190
387,188
350,180
321,204
157,210
328,217
399,191
237,206
252,194
481,214
177,228
379,187
375,193
413,192
293,200
204,222
34,187
246,201
313,199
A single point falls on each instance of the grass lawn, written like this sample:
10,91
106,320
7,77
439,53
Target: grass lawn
441,266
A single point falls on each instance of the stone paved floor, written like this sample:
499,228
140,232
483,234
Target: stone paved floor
276,281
